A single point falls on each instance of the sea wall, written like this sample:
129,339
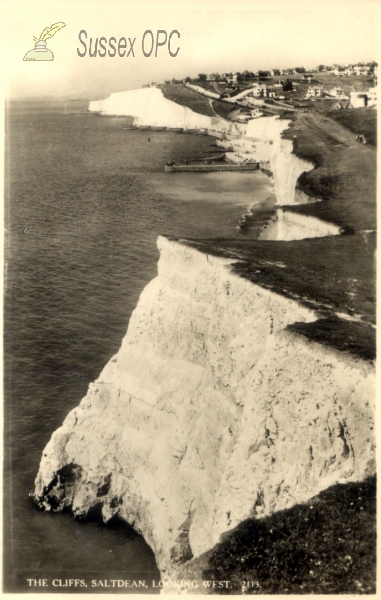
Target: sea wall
149,107
211,412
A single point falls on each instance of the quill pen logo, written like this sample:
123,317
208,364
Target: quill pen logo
40,51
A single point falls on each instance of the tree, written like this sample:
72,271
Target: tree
202,76
187,80
287,85
320,67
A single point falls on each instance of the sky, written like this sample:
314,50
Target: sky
214,37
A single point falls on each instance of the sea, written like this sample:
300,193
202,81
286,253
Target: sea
85,200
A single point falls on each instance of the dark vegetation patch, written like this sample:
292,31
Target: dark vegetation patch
222,109
326,546
346,336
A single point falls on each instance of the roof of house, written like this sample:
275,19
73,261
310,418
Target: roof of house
340,104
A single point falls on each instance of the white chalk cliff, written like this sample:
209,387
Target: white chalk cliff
211,412
285,165
149,107
290,226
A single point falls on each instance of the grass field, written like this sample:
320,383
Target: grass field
360,120
326,546
195,101
345,173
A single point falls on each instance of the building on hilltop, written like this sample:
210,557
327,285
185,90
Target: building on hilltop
258,90
359,99
361,70
372,96
314,91
338,92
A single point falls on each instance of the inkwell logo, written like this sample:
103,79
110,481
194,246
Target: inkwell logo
40,51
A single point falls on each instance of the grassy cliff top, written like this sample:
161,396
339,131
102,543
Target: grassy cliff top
344,177
334,276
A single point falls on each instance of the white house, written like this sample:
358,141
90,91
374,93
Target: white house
359,99
271,92
256,113
372,96
337,92
359,70
314,91
232,78
258,90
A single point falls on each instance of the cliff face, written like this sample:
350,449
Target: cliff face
149,107
266,133
287,169
291,226
211,412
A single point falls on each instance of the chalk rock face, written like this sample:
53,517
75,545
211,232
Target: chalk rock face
149,107
291,226
265,128
287,168
211,412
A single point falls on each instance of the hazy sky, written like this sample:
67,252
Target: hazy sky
214,36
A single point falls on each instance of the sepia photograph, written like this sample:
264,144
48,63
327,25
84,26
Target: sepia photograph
189,300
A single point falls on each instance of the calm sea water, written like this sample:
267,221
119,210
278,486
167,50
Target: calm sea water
86,199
